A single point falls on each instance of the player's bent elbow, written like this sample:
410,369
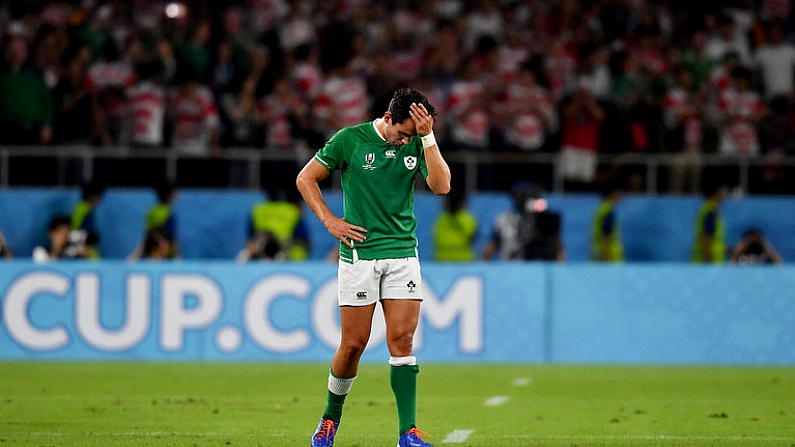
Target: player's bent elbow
443,190
439,188
439,184
303,179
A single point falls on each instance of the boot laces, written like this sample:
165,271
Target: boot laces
418,433
326,430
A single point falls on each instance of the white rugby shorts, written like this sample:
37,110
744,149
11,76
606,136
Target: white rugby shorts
368,281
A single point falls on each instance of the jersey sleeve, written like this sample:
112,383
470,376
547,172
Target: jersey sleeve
332,155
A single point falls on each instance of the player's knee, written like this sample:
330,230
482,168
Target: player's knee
402,344
352,349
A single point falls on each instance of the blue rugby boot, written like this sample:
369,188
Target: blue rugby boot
324,435
413,438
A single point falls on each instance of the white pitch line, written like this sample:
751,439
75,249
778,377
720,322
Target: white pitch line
458,436
496,401
521,381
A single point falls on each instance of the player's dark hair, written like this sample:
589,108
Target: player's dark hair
401,102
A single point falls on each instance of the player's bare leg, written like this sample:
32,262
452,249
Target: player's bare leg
401,323
356,323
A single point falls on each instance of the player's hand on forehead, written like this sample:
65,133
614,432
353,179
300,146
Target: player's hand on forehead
422,119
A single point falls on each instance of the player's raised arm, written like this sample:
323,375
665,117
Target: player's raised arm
307,183
438,178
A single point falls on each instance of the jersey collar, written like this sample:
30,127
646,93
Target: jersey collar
377,132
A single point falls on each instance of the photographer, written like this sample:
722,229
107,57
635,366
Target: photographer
277,230
754,249
63,242
528,232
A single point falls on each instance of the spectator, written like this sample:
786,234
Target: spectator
469,104
306,74
684,120
695,58
83,221
72,120
601,78
299,28
719,79
728,40
277,231
606,243
560,68
107,81
741,109
444,55
455,230
485,19
709,246
240,112
777,140
26,105
241,117
64,243
776,63
160,239
225,73
526,232
286,116
72,123
469,118
5,250
196,132
147,106
195,52
754,249
168,61
582,123
342,100
195,117
531,113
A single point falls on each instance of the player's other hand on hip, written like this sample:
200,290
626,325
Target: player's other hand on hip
345,232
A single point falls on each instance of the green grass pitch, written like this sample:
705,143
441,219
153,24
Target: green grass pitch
266,404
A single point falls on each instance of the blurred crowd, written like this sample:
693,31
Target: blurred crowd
570,78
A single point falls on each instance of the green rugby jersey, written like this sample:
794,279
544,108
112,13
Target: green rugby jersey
378,190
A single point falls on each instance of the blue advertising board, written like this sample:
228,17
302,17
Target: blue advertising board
474,312
226,311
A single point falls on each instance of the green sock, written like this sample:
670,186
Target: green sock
404,385
334,406
338,389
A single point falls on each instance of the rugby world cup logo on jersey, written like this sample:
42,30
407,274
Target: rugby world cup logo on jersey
368,161
410,161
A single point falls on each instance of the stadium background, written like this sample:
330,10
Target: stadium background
390,44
